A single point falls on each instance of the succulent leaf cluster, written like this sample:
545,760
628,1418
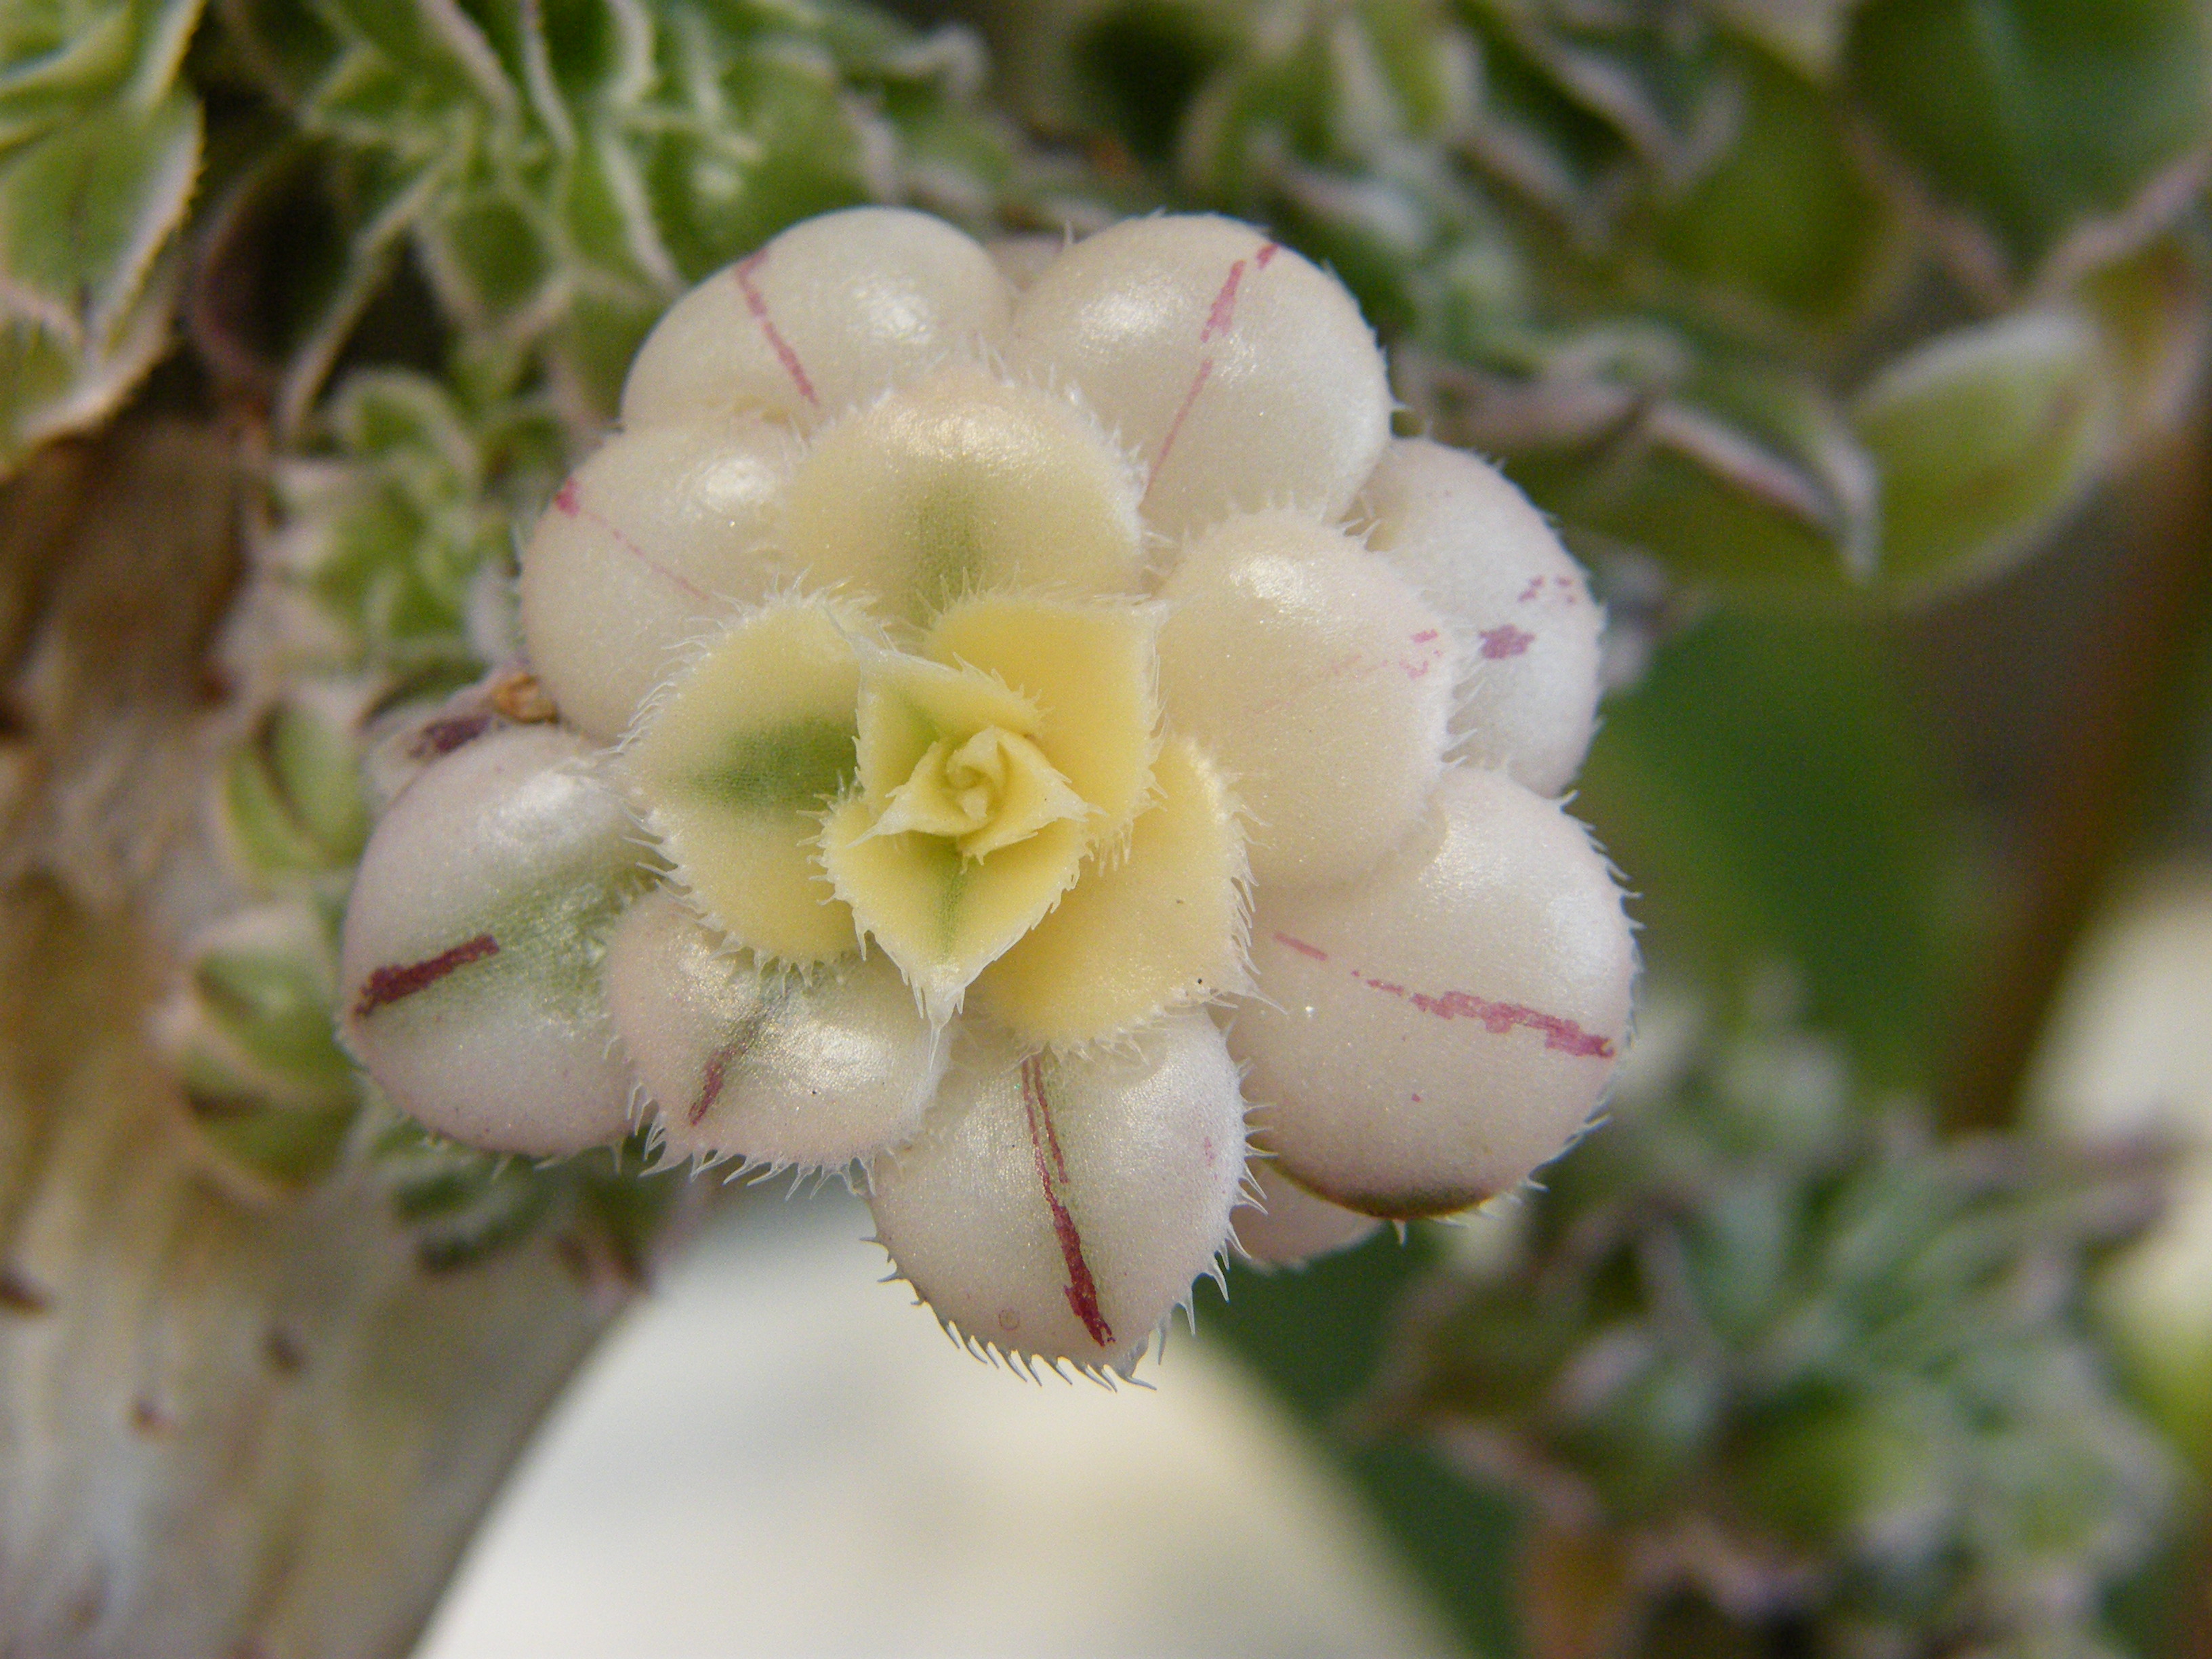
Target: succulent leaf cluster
1773,1364
938,652
558,174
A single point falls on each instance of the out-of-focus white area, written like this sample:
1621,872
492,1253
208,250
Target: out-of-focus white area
2127,1056
2129,1051
779,1456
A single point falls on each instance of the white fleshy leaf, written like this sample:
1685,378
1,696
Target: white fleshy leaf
659,534
1289,1226
1526,630
835,310
1059,1207
772,1068
1318,679
1243,375
470,968
1426,1035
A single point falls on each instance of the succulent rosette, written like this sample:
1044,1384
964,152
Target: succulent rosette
1017,708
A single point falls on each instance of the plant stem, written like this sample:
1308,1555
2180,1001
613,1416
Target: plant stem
230,1427
2097,773
228,1431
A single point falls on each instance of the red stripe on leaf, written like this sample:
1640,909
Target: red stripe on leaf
756,303
386,986
1081,1289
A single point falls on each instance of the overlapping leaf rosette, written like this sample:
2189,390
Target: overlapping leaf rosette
1018,707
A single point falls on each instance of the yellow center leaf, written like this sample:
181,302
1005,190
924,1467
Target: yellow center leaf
942,916
1161,927
975,807
1088,672
990,791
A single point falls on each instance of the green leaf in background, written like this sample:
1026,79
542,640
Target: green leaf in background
59,58
2153,311
56,58
389,538
292,793
1806,34
2034,116
1783,216
85,210
1339,135
1645,81
103,161
1726,469
248,1036
278,1008
462,1206
1767,789
1984,437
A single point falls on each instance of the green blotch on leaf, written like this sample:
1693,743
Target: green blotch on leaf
801,763
551,938
957,873
948,545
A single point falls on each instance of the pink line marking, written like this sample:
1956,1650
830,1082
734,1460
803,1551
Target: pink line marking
1497,1018
393,984
1534,592
1506,641
443,736
1500,1017
1081,1290
742,270
1197,382
571,503
1225,306
1425,636
1218,320
710,1085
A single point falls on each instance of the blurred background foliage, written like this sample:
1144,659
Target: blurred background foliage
1856,345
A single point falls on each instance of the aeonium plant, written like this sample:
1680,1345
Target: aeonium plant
1026,732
